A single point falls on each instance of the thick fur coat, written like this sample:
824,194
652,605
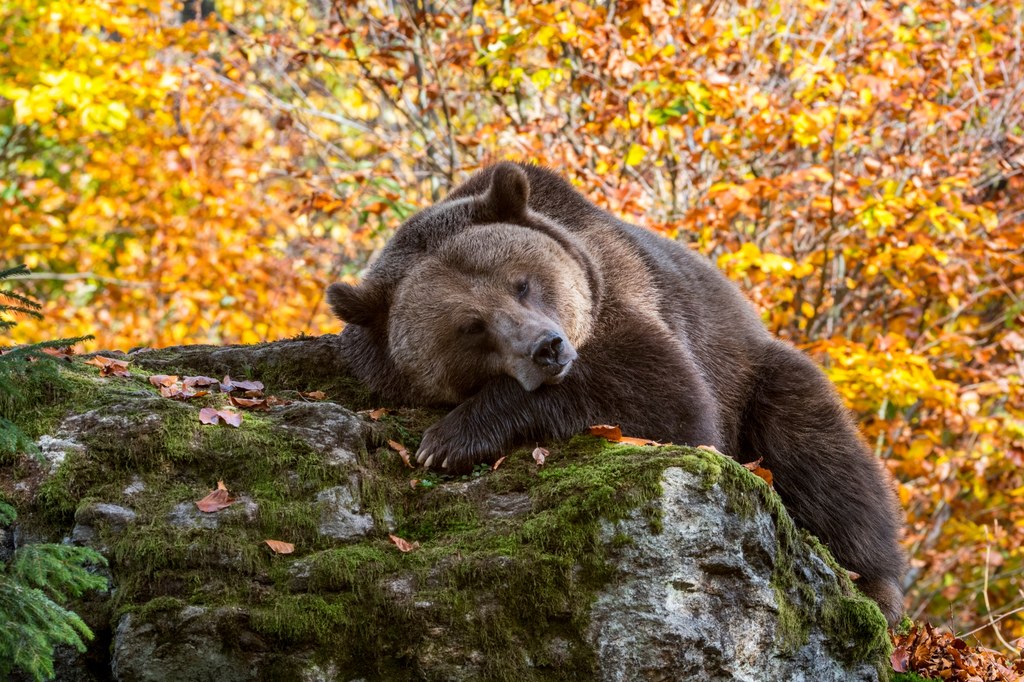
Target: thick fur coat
537,314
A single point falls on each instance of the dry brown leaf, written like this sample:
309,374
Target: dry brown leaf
402,452
540,455
163,380
249,403
229,417
403,545
638,441
227,385
606,431
208,415
109,366
280,547
375,415
63,353
216,500
200,381
314,395
498,463
710,448
900,659
413,483
759,471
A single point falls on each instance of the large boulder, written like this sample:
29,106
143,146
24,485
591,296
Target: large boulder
609,562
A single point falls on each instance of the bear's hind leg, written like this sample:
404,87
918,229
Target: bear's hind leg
827,478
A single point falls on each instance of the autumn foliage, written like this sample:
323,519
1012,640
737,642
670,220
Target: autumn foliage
856,167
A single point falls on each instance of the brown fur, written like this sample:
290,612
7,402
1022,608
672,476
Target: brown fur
537,314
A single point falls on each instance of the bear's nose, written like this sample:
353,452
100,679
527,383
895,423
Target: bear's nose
546,352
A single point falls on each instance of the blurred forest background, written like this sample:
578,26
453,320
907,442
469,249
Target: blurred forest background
199,174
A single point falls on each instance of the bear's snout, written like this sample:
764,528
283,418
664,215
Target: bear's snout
547,349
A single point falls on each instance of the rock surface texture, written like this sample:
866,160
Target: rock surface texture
609,562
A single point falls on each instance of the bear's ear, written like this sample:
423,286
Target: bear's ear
361,305
508,194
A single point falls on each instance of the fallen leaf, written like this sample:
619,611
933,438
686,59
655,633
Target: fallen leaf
540,455
314,395
413,483
63,353
403,545
227,385
710,448
375,415
853,575
638,441
759,471
109,366
501,460
612,433
280,547
216,500
900,659
249,403
163,380
402,451
200,381
208,415
229,417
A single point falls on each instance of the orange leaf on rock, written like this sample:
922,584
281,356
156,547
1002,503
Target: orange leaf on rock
201,381
163,380
227,385
606,431
210,415
109,366
403,545
402,451
314,395
638,441
280,547
375,415
759,471
249,403
216,500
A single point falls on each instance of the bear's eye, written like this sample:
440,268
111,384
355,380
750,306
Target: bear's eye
472,328
522,288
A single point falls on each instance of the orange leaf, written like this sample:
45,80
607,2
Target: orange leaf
638,441
163,380
402,452
501,460
375,415
540,455
250,403
217,500
314,395
756,469
228,384
612,433
403,545
280,547
208,415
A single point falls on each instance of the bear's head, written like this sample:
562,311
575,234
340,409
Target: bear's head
505,293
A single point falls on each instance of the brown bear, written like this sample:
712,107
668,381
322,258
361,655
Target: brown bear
537,314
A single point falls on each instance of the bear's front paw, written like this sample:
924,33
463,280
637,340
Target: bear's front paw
454,447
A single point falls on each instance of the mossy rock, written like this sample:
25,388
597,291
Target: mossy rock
520,573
